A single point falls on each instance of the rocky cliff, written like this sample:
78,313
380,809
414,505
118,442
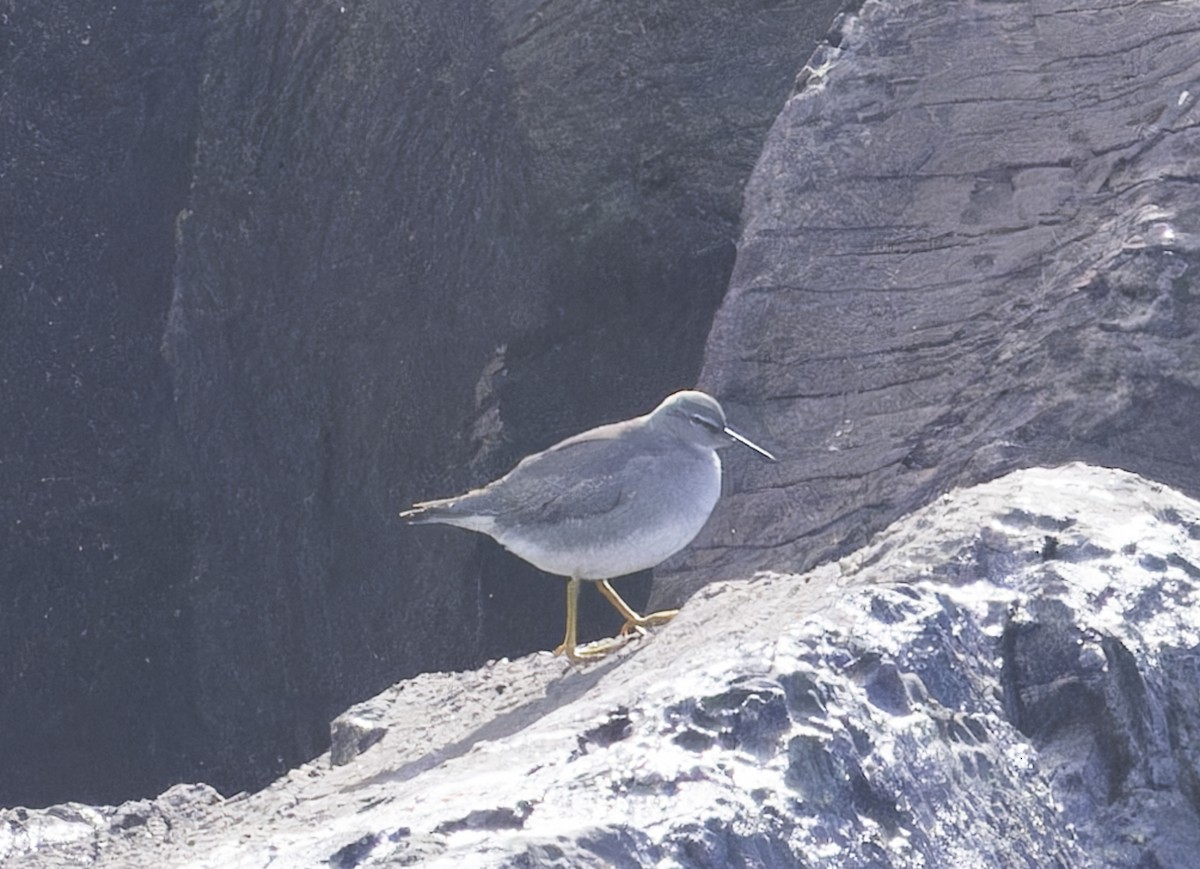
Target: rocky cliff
970,244
1009,676
272,272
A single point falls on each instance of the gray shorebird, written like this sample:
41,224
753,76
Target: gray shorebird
611,501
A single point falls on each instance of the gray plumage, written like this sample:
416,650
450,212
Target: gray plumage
611,501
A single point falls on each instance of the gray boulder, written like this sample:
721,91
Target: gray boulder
1008,676
971,244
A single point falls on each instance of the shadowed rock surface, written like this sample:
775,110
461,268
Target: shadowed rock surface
971,244
325,262
97,123
1006,677
273,271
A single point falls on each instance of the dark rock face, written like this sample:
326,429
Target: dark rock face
97,124
970,245
338,224
949,696
273,271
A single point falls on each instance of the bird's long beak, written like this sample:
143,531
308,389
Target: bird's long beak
745,440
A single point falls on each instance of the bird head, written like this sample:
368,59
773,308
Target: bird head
697,418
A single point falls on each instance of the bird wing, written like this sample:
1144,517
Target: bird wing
582,477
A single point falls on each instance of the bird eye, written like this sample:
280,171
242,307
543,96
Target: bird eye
704,421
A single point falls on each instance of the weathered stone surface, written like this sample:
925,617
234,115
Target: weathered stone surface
366,237
97,123
74,834
271,272
1006,677
352,733
971,244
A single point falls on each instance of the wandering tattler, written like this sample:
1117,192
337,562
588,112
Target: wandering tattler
611,501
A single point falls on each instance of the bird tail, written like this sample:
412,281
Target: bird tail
429,512
449,511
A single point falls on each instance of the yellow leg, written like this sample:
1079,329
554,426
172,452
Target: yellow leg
570,646
633,621
568,643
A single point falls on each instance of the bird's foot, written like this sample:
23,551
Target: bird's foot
590,651
640,623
